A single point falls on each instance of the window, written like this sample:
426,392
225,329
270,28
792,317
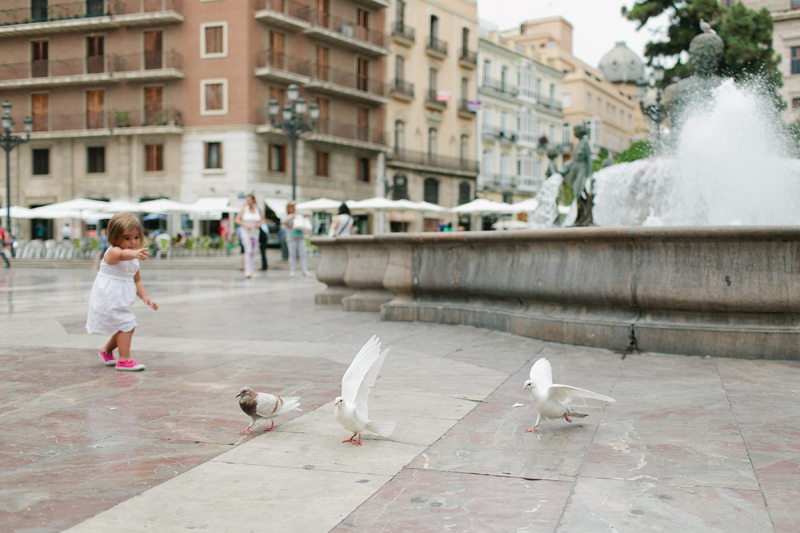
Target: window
486,167
95,107
322,63
41,161
566,98
95,54
214,94
432,141
154,114
96,159
322,165
39,56
431,191
795,103
487,119
463,149
399,187
487,73
434,29
504,79
214,41
464,192
400,14
363,74
153,49
153,157
277,157
213,155
504,122
276,50
552,95
795,59
794,4
363,169
465,39
399,69
362,24
399,136
588,100
464,89
432,82
40,106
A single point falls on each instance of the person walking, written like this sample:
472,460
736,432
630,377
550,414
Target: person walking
263,237
5,246
341,223
249,218
102,244
296,227
115,288
66,233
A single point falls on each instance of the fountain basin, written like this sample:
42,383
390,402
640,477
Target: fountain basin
722,291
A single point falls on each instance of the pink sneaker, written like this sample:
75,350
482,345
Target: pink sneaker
129,365
108,358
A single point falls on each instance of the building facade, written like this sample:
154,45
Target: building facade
168,98
430,115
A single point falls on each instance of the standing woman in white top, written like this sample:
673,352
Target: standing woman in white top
250,219
341,223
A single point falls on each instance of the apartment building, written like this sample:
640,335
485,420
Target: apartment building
587,96
786,43
520,118
168,98
432,113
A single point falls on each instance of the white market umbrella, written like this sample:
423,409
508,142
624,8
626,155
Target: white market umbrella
165,207
482,205
427,206
18,212
120,206
78,204
527,206
510,224
376,204
90,216
320,204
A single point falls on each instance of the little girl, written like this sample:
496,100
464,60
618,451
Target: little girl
115,289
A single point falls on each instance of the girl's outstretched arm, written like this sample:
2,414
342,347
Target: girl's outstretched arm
115,254
141,293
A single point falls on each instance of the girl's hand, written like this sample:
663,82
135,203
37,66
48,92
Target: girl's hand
142,254
150,303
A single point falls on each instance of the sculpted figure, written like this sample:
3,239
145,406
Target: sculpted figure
579,175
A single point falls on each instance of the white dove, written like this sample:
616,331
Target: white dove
262,405
351,407
706,27
551,400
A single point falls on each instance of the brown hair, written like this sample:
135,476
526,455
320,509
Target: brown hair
291,204
122,223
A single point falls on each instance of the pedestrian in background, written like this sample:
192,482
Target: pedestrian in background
296,224
249,218
263,237
341,223
102,244
115,289
5,246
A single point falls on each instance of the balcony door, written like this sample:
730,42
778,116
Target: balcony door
323,13
95,54
323,124
153,50
276,50
95,107
39,10
94,8
363,74
322,63
154,106
39,56
40,105
153,5
363,124
362,24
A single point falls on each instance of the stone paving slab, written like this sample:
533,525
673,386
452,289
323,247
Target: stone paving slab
692,444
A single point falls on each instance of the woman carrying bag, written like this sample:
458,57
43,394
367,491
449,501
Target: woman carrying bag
297,226
342,223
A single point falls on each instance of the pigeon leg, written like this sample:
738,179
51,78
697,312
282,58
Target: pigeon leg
272,426
247,429
359,441
350,439
538,419
567,418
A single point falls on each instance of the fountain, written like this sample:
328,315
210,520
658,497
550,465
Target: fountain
692,251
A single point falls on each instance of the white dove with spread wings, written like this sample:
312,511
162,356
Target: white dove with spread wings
551,400
351,407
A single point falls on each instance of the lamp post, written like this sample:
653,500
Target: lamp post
8,142
295,122
653,110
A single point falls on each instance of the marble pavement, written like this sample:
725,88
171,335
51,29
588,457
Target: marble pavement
692,444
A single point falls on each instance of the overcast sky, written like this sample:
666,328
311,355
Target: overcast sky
596,24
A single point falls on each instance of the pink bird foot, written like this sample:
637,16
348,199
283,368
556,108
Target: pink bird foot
359,441
567,418
272,426
245,430
533,429
350,439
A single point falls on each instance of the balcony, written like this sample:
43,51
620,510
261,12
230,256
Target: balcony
433,103
499,87
284,14
373,4
89,15
282,68
436,47
403,34
549,102
467,58
500,181
348,134
402,90
106,123
464,110
347,85
345,34
528,183
91,70
423,159
503,135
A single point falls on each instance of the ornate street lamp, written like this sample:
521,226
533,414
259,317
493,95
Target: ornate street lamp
8,142
653,110
295,121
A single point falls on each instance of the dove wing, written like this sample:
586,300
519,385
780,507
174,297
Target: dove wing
355,374
565,394
361,404
265,404
542,374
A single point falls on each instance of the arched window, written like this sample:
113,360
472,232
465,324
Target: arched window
431,193
464,192
399,136
400,187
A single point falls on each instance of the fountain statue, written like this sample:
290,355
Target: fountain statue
579,174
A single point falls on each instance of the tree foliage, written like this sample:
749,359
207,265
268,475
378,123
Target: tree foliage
637,150
747,35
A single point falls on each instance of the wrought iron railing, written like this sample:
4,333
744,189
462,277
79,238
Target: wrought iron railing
402,87
500,86
468,56
282,61
401,29
350,80
347,28
432,98
92,120
286,7
63,11
51,68
436,44
434,160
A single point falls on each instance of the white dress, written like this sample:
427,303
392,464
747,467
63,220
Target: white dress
113,294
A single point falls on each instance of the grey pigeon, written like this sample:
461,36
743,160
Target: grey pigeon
351,407
706,27
551,400
262,405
